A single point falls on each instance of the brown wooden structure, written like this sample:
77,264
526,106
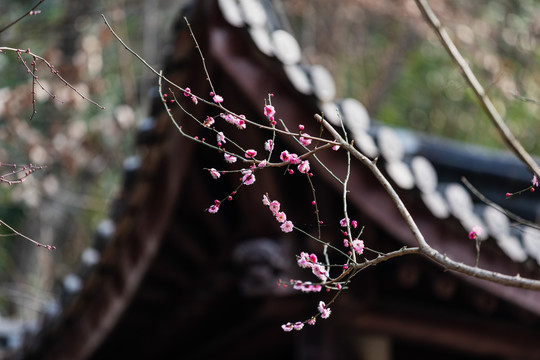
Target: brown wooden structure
174,282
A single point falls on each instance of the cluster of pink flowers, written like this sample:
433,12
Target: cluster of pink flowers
187,92
343,223
290,326
307,286
239,121
294,159
306,260
357,245
323,310
286,225
290,158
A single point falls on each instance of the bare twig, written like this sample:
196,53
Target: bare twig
18,173
488,202
15,232
35,78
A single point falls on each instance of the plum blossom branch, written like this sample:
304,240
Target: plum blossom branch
424,248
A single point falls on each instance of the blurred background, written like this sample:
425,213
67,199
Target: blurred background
82,146
379,52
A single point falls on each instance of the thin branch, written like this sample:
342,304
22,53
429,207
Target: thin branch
15,232
387,256
488,202
526,99
20,18
201,55
507,136
219,106
56,73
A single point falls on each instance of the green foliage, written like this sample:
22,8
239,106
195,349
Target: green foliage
386,56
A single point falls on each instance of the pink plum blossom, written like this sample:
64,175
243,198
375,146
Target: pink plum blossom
343,222
303,261
307,286
215,174
228,118
298,326
287,226
187,92
229,158
213,209
269,145
194,99
274,206
239,121
312,321
294,158
284,155
248,177
266,200
251,153
303,167
217,99
325,312
298,285
208,122
320,272
305,140
287,327
281,217
269,111
476,232
220,137
358,246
